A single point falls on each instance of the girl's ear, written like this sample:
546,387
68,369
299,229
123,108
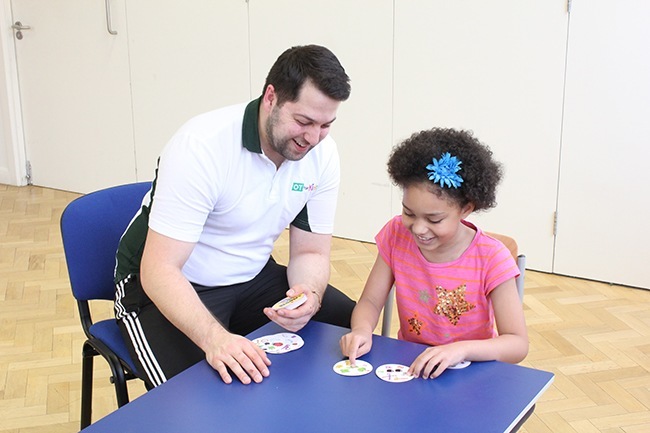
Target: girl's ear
466,210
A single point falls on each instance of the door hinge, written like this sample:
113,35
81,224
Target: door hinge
555,223
28,172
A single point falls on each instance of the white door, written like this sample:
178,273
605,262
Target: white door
74,89
496,68
603,205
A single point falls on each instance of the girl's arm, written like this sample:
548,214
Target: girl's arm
366,313
511,345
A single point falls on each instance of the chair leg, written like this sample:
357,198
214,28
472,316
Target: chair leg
119,380
88,353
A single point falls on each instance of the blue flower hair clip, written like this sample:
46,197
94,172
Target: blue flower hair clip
443,171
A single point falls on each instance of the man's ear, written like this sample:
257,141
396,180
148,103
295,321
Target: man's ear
269,98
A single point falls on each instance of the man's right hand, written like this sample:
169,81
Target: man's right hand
233,353
163,281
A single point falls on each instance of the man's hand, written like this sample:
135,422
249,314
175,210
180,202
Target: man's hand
239,355
294,320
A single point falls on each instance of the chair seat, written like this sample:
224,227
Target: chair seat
108,332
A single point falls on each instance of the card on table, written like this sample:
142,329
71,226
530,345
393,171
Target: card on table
344,368
460,365
279,343
394,373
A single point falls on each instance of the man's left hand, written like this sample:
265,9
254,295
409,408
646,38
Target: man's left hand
296,319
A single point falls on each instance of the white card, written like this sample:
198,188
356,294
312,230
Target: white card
394,373
460,365
279,343
344,368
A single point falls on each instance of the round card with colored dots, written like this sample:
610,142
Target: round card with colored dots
279,343
394,373
344,368
460,365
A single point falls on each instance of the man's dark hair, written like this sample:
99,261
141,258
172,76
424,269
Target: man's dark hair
308,62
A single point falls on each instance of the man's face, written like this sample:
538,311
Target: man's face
294,128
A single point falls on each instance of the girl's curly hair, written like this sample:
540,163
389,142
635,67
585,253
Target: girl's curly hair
481,174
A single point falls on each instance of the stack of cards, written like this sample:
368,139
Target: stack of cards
290,302
279,343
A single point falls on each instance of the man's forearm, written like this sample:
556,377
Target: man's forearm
177,300
312,270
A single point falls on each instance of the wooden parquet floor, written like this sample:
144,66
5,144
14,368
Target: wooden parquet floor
595,337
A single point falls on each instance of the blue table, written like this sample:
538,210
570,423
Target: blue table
303,394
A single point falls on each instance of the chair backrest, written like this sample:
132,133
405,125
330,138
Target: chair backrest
511,244
91,228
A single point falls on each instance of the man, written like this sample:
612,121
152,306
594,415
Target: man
194,269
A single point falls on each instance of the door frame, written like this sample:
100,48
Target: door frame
11,120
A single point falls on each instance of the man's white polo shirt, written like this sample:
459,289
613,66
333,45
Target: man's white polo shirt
216,188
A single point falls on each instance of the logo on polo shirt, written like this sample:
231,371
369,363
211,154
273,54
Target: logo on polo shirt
300,187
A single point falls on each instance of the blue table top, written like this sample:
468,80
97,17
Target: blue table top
304,394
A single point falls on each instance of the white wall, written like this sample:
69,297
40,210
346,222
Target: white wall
497,69
12,157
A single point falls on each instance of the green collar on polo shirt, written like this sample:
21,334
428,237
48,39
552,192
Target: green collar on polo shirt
250,132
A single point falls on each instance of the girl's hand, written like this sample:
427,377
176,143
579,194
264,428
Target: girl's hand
355,344
434,360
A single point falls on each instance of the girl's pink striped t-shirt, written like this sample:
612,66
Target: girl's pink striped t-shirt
439,303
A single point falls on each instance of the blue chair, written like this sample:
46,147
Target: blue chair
91,228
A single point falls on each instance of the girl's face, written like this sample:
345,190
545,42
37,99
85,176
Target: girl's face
435,222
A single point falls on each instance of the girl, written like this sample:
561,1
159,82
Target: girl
453,283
